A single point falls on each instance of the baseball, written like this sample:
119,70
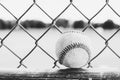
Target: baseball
73,49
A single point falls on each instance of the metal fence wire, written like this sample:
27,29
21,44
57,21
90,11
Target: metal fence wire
89,24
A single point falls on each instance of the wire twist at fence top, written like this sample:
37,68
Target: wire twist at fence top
18,24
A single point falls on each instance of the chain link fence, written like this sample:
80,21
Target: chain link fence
50,26
89,24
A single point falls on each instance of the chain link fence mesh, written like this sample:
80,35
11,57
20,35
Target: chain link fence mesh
51,25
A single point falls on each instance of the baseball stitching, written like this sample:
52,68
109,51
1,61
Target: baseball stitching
70,47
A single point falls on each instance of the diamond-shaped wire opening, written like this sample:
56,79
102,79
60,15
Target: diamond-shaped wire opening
53,7
72,14
35,13
89,8
38,60
103,16
106,14
49,40
17,7
105,58
97,42
20,42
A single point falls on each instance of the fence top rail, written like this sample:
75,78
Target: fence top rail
61,73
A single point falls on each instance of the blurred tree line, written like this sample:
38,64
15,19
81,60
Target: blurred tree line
109,24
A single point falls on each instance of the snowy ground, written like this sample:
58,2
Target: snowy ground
21,44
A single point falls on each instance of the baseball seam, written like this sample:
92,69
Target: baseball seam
70,47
